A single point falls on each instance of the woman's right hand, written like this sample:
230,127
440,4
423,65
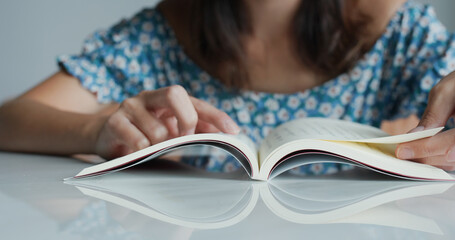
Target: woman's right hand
155,116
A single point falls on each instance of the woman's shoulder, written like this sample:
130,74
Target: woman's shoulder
394,15
146,32
146,27
137,53
415,15
411,24
417,9
414,24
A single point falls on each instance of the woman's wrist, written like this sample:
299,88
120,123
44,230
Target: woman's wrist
90,131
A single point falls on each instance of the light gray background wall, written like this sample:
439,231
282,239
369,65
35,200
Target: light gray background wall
33,32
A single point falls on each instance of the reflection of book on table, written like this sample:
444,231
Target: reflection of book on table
362,202
190,202
296,143
195,203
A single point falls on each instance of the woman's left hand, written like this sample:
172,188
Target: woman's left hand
438,150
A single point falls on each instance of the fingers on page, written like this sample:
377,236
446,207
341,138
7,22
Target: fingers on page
441,104
178,101
438,150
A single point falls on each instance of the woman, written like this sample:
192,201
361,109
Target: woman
212,65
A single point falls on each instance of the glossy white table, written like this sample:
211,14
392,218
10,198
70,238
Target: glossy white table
168,201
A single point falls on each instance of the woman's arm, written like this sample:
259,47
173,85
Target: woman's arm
59,116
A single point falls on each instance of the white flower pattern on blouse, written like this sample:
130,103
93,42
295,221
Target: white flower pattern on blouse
392,80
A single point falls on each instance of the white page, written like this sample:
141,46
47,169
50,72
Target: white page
379,156
243,146
246,140
335,130
407,137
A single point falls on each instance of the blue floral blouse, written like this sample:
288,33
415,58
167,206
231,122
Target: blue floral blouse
392,80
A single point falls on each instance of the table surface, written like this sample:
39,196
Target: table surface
165,200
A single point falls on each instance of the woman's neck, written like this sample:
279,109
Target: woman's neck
270,49
271,19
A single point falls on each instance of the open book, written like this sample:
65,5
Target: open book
296,143
189,199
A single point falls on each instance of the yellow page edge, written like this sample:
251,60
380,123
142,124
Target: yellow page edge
401,138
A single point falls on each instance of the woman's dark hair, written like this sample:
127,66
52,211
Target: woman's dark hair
325,39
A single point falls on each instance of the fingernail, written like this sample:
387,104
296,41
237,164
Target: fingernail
451,155
231,127
143,144
405,153
417,129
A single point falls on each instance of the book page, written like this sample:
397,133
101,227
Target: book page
401,138
239,146
372,155
246,140
335,130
